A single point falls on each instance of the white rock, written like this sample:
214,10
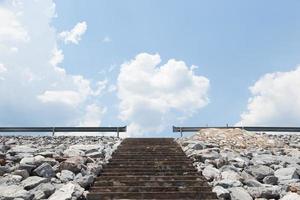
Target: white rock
210,172
13,192
239,193
286,173
66,192
231,175
66,176
291,196
73,153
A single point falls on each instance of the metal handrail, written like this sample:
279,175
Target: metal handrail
64,129
247,128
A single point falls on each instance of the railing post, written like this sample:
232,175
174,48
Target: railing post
180,128
53,131
118,132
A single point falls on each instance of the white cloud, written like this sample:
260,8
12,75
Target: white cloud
106,39
2,68
10,28
36,91
74,35
152,96
275,100
67,97
93,115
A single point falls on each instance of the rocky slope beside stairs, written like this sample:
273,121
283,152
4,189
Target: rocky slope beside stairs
243,166
55,168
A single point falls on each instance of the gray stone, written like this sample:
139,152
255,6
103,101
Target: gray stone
33,181
27,167
66,176
43,191
265,160
84,181
210,173
286,173
260,171
21,172
272,180
44,170
239,193
269,192
3,170
228,183
73,153
221,192
252,183
14,192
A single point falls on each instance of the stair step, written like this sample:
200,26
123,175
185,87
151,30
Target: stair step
149,178
148,189
162,183
151,195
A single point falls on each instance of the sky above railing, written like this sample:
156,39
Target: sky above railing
149,64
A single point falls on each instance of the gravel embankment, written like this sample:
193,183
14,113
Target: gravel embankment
55,168
243,166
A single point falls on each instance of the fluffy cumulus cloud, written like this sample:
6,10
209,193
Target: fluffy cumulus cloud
275,100
74,35
34,88
153,95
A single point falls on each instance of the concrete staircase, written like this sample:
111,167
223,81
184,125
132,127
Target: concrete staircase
150,168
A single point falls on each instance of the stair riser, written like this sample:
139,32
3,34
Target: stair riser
150,189
149,195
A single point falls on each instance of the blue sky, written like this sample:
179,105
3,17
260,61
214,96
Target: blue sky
235,44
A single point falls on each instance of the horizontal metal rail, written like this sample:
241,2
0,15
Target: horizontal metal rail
64,129
247,128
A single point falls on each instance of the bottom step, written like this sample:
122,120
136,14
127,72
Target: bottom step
150,195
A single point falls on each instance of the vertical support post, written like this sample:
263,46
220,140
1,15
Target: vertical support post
118,132
53,131
180,128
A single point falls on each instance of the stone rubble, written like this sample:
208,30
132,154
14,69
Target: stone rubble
243,165
55,168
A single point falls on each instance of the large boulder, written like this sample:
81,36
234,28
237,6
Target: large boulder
73,164
239,193
13,192
10,179
286,173
221,192
268,192
45,170
66,176
43,191
84,181
67,192
260,171
210,173
73,153
33,181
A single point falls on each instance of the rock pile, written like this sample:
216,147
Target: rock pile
55,168
243,166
